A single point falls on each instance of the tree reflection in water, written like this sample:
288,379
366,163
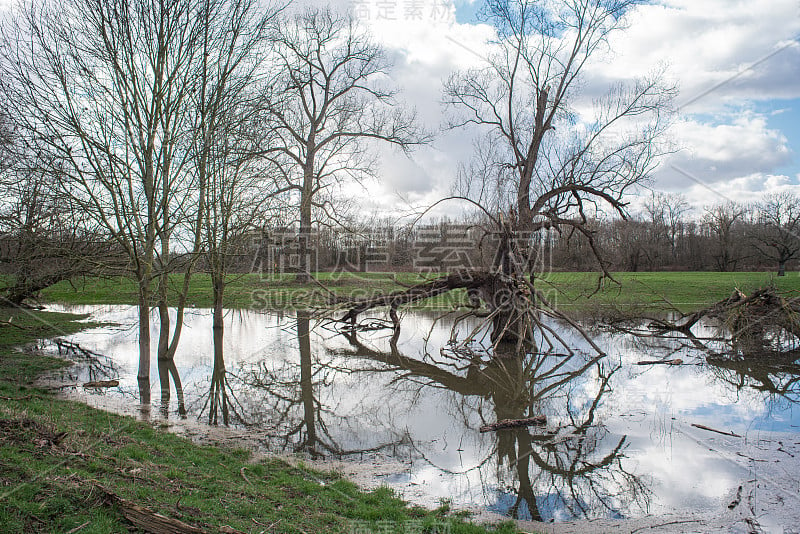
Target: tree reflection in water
760,358
573,468
167,369
287,398
766,361
563,470
221,401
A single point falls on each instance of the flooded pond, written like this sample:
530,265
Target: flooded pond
622,441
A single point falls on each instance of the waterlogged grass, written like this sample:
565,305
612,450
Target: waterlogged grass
65,466
687,291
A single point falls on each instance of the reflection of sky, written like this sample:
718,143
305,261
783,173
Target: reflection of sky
653,407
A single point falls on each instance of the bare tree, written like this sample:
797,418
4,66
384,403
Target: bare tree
330,98
549,168
44,238
237,185
725,223
546,173
554,174
6,138
104,89
631,237
666,213
776,234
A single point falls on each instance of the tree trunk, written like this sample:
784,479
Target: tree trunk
25,288
218,288
499,295
143,376
303,263
782,268
163,340
218,396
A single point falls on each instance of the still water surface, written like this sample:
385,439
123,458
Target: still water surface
619,442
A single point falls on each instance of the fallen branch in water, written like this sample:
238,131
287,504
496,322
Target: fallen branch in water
676,361
704,427
65,346
470,280
539,420
740,312
101,384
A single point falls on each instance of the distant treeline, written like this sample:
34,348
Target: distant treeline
661,237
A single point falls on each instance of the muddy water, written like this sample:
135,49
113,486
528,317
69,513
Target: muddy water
619,442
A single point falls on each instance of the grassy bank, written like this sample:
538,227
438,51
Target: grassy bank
66,467
686,290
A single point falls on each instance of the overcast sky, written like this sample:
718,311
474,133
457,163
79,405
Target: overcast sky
737,64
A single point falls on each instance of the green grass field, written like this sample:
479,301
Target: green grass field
573,291
60,461
687,291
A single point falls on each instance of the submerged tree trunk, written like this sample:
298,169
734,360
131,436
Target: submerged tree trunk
163,340
143,376
218,394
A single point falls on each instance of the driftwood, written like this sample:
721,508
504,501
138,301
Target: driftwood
101,384
676,361
146,519
704,427
539,420
764,307
25,397
78,528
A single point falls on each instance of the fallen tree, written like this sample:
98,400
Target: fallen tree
510,306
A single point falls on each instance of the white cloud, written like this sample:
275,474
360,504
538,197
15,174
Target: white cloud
425,50
734,49
715,153
744,189
723,54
